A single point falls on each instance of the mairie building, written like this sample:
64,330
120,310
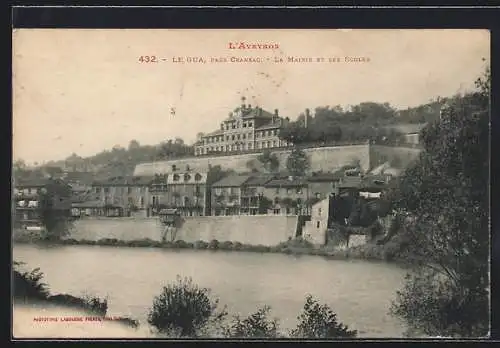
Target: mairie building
247,129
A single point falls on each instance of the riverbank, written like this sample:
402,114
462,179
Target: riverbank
389,252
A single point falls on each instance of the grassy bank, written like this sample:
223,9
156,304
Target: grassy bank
371,251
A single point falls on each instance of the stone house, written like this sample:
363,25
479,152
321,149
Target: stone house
227,195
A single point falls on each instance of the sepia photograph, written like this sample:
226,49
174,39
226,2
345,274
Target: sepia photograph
242,184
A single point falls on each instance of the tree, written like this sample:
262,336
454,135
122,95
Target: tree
297,163
269,160
446,197
256,325
184,309
133,145
319,321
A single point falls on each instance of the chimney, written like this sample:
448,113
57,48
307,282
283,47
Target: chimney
275,116
306,118
243,103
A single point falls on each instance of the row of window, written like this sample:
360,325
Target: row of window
240,147
28,191
118,190
260,134
236,124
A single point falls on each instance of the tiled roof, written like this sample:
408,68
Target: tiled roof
326,177
38,182
259,180
232,181
295,182
216,132
270,125
125,181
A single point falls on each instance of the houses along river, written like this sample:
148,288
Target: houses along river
360,292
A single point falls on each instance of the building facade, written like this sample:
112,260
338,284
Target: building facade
187,192
288,196
246,129
227,195
252,195
120,195
32,197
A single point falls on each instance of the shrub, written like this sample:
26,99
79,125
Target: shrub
228,245
199,244
256,325
29,285
214,244
180,244
237,246
319,321
437,306
92,304
261,248
184,309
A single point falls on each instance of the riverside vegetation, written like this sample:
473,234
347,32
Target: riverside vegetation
441,229
184,309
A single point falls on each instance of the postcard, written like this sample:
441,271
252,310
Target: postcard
241,184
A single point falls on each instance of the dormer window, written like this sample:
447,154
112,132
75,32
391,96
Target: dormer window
197,177
187,177
176,177
174,168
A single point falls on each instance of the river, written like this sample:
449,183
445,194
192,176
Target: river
360,292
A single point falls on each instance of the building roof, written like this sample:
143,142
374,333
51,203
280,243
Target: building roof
326,177
259,180
286,182
270,125
409,128
125,181
83,177
232,181
216,132
39,182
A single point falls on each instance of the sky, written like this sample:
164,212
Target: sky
83,91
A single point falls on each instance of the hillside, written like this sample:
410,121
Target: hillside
361,122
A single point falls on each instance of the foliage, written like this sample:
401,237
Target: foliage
297,162
269,160
319,321
264,204
55,221
184,309
445,197
361,122
29,285
434,305
256,325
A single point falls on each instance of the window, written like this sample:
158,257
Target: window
250,124
299,190
176,177
97,190
187,177
142,202
129,190
238,137
268,144
244,136
233,125
277,190
276,200
174,168
249,145
318,223
106,190
318,195
244,125
319,211
197,190
232,137
276,211
218,191
227,137
299,201
275,143
197,177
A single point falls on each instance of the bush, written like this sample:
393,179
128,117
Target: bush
319,321
237,246
434,305
180,244
256,325
88,303
29,285
214,244
228,245
184,309
199,244
261,248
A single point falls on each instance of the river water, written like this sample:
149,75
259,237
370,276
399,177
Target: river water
360,292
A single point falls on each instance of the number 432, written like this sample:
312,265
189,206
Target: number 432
148,59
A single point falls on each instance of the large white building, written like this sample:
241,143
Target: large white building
246,129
